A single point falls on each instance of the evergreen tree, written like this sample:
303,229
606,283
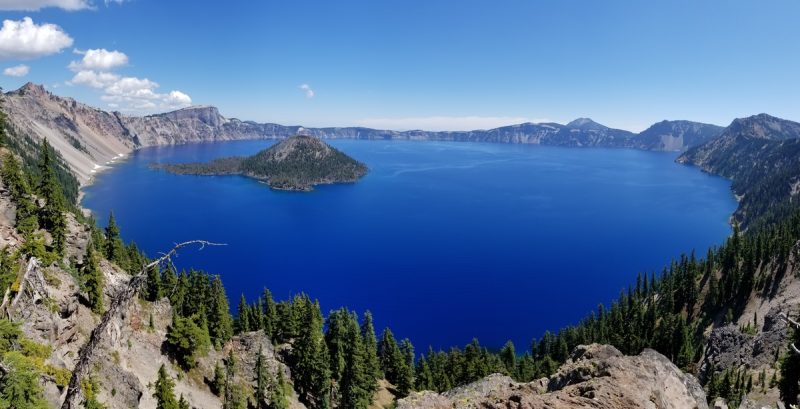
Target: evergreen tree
686,352
169,284
395,362
52,214
405,383
229,398
152,291
371,362
336,338
424,376
220,323
262,381
357,384
311,370
509,357
243,319
164,390
187,339
279,396
27,220
270,314
93,281
218,382
389,356
115,250
19,386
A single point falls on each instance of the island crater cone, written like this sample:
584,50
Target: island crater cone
296,163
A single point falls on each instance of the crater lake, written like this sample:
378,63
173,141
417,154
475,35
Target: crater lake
442,241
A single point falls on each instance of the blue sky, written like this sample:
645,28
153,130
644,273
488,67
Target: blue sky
416,63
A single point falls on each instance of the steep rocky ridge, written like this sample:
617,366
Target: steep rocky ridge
91,139
676,135
596,376
761,155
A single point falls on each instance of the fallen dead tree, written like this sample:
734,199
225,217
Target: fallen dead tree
120,303
32,281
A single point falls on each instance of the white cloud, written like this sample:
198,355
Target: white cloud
444,123
125,93
94,79
178,98
307,90
35,5
130,93
25,40
17,71
99,59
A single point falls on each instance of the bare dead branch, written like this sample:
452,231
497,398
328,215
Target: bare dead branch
793,323
119,304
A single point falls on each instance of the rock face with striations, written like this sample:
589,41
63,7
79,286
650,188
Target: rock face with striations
597,376
676,135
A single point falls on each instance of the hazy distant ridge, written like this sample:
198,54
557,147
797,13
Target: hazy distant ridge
90,138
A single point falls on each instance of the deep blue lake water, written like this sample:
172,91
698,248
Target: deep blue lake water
441,241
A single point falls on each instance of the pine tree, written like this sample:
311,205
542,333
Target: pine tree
164,390
52,214
371,362
357,384
336,338
424,376
686,352
243,319
311,371
390,357
220,323
218,382
229,397
262,381
405,383
115,250
27,220
279,396
152,290
169,283
270,314
187,339
509,357
93,281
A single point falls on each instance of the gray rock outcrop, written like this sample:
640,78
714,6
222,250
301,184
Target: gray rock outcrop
597,376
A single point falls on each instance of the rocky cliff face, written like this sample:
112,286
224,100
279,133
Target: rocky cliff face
90,139
86,137
596,376
676,135
759,154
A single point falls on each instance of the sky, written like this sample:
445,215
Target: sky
411,64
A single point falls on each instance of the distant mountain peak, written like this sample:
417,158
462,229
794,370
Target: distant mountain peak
31,88
585,124
763,126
